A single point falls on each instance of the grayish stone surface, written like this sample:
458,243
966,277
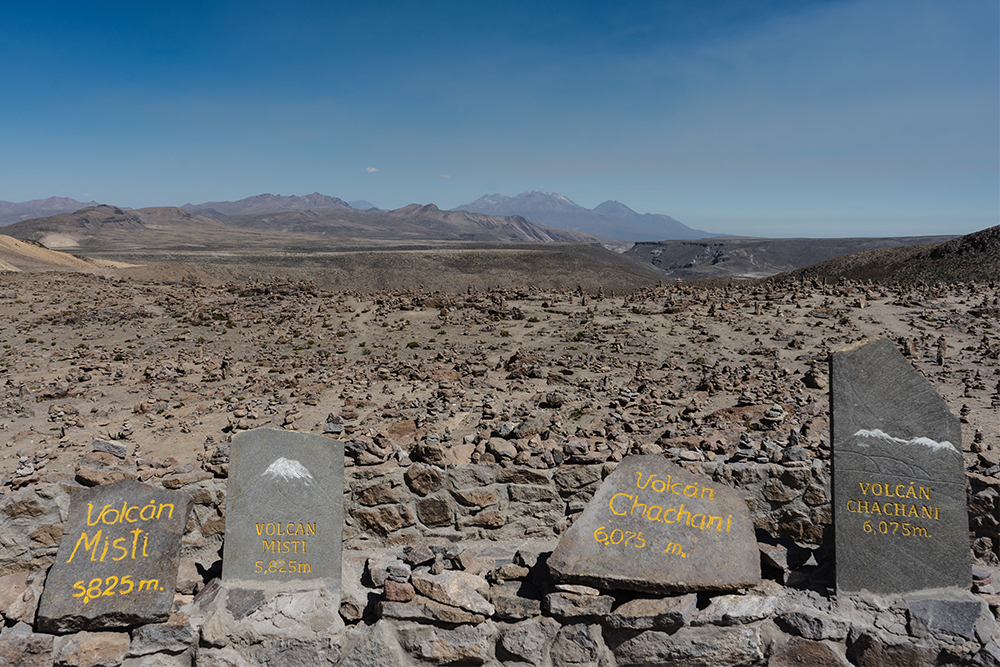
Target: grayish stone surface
320,651
26,650
161,660
375,646
91,649
241,602
426,609
378,568
530,639
693,647
284,512
660,613
580,645
950,616
513,604
735,610
117,562
869,651
571,605
898,476
465,645
654,526
224,657
803,653
175,636
109,447
814,624
455,588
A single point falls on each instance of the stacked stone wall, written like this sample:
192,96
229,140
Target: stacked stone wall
446,565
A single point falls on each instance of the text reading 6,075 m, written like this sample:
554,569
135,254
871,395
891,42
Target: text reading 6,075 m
619,536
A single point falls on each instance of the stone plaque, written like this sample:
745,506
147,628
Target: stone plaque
654,526
899,503
285,508
117,560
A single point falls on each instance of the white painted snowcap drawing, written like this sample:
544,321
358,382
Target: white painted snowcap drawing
925,442
287,469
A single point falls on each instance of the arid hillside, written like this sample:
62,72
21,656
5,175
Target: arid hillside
972,257
755,257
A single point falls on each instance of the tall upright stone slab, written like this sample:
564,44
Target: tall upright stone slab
654,526
899,501
284,509
117,561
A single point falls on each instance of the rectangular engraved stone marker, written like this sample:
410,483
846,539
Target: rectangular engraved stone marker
654,526
899,502
285,508
117,560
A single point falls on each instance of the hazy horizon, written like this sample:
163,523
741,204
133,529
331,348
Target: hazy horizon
815,119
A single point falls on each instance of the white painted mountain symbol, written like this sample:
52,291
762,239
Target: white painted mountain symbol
287,470
877,434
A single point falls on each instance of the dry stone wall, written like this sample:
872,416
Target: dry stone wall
447,565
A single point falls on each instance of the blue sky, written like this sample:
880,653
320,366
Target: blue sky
875,118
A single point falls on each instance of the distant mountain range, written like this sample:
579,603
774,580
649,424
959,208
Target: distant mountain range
611,219
268,203
108,227
38,208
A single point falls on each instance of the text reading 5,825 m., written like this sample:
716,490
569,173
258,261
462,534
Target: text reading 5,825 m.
281,566
103,587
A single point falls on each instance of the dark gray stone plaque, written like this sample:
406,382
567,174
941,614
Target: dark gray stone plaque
284,509
899,502
117,560
654,526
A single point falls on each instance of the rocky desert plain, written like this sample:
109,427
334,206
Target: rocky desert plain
477,422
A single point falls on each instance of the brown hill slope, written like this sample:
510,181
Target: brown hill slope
413,222
109,225
267,203
18,255
973,257
754,257
446,268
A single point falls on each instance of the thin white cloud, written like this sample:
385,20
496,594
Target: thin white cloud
370,170
444,176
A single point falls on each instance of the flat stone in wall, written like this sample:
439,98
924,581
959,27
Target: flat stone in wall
900,512
654,526
285,508
117,562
